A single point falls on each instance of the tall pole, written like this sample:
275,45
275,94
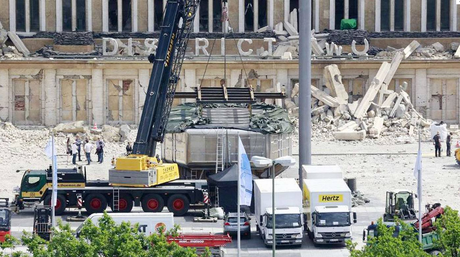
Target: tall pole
238,204
419,188
305,87
273,210
53,195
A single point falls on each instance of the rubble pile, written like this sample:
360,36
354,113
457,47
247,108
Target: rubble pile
73,38
108,133
380,110
359,199
18,50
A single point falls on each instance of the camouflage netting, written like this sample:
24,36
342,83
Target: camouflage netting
265,118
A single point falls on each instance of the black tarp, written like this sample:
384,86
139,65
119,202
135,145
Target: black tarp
227,182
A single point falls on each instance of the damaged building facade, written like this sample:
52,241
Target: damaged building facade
72,60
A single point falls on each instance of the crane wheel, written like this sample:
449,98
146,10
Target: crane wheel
178,204
125,204
61,203
95,203
152,203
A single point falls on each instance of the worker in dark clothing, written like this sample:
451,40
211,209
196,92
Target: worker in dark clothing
437,145
129,149
448,140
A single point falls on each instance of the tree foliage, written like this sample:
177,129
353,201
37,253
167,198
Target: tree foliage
107,239
448,230
405,244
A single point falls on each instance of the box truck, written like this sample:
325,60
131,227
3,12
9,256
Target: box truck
322,171
327,209
148,222
287,210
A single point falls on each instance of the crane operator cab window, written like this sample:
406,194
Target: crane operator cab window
33,183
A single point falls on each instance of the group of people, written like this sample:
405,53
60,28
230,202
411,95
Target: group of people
74,149
437,144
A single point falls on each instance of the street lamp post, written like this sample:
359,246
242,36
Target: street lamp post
262,162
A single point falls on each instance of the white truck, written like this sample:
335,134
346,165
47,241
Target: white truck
327,209
288,211
148,222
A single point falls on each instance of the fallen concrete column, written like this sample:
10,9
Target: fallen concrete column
410,48
334,83
18,43
457,53
316,48
372,91
290,29
390,99
323,97
353,106
319,110
348,126
350,135
376,129
393,67
396,106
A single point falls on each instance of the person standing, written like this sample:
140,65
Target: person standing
88,148
129,149
437,145
100,150
78,142
74,153
448,140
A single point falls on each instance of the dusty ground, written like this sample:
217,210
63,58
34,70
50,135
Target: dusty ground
378,167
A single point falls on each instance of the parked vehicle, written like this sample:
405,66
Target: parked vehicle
149,223
288,214
5,219
328,213
97,195
231,224
400,203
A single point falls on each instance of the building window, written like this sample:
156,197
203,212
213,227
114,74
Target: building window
204,16
249,15
74,15
74,104
217,16
263,13
431,15
27,101
445,14
120,16
342,13
27,15
158,9
392,17
120,100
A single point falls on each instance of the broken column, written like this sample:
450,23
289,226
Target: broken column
333,80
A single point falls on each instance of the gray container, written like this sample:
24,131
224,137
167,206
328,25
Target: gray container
198,147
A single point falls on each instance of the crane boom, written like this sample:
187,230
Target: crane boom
167,65
142,169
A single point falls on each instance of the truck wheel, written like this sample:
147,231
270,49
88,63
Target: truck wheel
61,204
435,253
152,203
125,203
95,203
178,204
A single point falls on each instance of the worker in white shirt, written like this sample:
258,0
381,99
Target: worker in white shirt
88,149
74,153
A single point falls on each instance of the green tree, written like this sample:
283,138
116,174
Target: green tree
386,244
108,239
448,230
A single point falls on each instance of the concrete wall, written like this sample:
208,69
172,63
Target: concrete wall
5,14
369,15
323,14
50,15
142,19
415,16
97,73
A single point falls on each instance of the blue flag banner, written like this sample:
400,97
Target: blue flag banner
245,175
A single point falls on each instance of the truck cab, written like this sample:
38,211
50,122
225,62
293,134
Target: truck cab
331,224
288,226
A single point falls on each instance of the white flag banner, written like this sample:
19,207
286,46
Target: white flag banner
50,151
418,164
245,175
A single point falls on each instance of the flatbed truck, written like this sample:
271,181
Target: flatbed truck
97,195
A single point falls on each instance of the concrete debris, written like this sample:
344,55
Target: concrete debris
336,117
410,48
124,132
18,43
359,199
111,133
438,47
457,53
71,127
